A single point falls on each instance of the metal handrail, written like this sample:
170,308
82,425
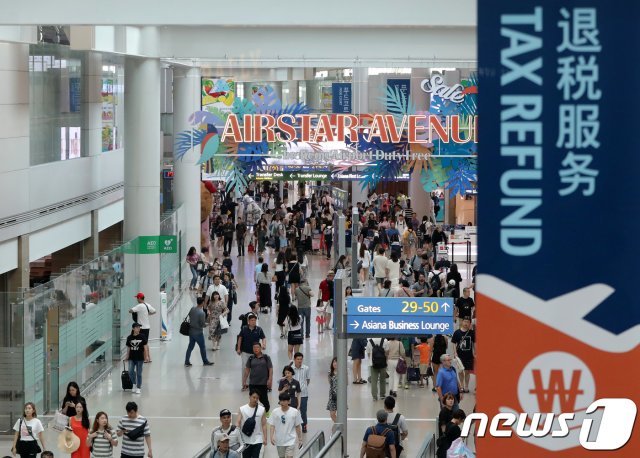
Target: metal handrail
203,452
428,448
318,437
332,440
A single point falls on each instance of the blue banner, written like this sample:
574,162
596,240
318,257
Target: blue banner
74,95
556,280
341,97
409,325
403,85
400,306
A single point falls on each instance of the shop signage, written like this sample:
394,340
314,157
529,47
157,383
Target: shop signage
341,99
399,315
403,86
435,86
293,176
417,128
546,70
155,244
356,175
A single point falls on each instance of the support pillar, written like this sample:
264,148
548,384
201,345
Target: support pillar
360,91
186,100
19,277
417,194
92,103
142,171
91,246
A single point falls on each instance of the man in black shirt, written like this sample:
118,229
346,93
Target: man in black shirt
464,340
249,334
258,372
465,306
241,232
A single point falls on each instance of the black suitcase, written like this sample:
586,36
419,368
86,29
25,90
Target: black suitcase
127,384
413,374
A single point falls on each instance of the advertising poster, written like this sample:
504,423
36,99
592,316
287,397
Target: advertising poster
558,329
108,114
74,95
326,98
218,93
341,97
402,84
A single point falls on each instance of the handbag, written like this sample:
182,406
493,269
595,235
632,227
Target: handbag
25,447
185,326
401,367
60,421
457,362
137,432
224,324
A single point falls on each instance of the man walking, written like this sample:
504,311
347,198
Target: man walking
142,311
249,335
259,372
398,423
421,287
222,449
231,432
302,375
134,447
196,335
220,288
325,292
227,233
285,427
447,382
303,295
371,446
379,267
464,340
241,232
378,351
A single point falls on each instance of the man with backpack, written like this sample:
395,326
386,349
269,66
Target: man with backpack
226,429
398,423
378,351
378,441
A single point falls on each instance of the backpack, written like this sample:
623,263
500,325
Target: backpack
394,237
396,433
377,444
435,281
378,358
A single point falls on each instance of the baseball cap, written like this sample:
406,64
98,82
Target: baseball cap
223,437
225,412
331,272
139,296
136,325
251,315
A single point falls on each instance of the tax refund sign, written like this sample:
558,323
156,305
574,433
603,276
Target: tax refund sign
399,315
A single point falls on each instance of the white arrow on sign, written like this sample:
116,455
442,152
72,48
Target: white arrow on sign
355,325
446,306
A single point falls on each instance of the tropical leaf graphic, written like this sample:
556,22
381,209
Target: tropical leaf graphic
242,107
381,169
214,117
237,178
186,140
209,147
398,104
460,180
266,101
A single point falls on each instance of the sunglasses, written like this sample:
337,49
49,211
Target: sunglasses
282,419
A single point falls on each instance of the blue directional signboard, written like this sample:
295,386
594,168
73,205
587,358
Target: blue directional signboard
399,315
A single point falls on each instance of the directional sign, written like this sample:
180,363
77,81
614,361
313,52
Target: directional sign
400,306
399,315
412,325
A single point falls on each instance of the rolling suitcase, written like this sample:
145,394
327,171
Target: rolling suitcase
127,384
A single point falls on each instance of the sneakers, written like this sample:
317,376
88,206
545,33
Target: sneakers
187,364
406,386
208,363
137,391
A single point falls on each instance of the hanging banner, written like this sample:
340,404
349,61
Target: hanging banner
568,321
403,85
218,94
341,100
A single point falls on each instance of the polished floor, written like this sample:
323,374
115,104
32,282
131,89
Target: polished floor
182,404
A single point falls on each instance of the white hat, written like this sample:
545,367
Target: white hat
68,442
452,282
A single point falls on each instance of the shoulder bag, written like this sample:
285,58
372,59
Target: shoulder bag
137,432
250,423
185,326
23,447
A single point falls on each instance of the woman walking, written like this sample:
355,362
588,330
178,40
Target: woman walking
294,273
284,301
80,426
136,343
294,336
261,235
332,405
396,353
278,268
102,437
264,288
364,260
192,259
71,399
26,430
216,310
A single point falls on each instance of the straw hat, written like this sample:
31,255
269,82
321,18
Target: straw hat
68,442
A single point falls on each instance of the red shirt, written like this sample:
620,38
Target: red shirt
325,290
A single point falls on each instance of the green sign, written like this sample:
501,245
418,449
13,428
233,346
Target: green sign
155,244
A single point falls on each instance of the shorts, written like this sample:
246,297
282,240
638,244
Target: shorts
467,363
423,369
380,280
286,450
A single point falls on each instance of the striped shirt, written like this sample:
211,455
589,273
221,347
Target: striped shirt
102,448
302,375
133,447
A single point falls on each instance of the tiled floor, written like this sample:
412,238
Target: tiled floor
182,404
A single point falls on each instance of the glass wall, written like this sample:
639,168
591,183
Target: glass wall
73,96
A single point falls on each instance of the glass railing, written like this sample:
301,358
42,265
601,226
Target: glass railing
334,448
313,446
428,448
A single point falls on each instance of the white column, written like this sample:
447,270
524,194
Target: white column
142,170
359,105
186,100
417,194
